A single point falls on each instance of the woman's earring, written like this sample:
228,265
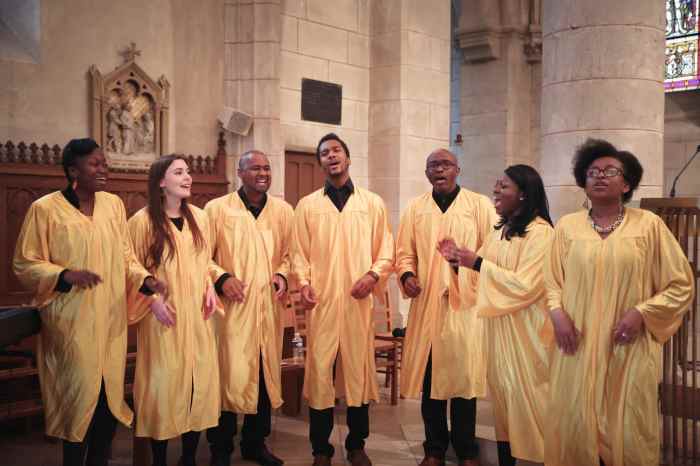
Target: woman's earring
585,203
74,184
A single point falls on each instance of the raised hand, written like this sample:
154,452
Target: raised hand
566,334
234,289
363,287
209,302
163,312
628,327
279,284
411,286
308,297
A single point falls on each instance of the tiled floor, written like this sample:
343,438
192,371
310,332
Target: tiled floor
395,440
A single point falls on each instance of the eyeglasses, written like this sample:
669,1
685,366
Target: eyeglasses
607,172
444,164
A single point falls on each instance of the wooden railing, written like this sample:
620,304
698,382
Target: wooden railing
679,391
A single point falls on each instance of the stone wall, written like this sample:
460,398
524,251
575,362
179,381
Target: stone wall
681,139
48,101
326,41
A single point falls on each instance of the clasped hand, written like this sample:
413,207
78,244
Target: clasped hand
455,255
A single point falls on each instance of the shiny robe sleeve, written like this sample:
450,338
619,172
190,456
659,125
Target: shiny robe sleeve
383,248
32,260
135,271
554,269
502,291
213,214
139,235
486,219
286,222
301,244
673,282
406,255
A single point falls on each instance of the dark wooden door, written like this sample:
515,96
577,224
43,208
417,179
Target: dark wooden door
302,176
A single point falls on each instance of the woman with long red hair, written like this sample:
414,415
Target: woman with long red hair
176,387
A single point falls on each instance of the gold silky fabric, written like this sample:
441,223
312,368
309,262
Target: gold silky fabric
176,386
331,251
441,317
511,301
252,251
604,397
83,332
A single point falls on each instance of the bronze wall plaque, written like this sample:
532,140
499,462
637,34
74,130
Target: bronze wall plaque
321,101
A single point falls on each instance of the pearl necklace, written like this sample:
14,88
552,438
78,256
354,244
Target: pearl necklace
610,228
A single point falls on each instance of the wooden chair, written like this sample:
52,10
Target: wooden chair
387,348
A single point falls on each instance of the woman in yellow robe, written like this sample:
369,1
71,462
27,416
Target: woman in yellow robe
510,297
618,285
176,386
74,254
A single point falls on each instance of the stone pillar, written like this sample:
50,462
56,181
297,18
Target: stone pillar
602,78
500,42
409,113
252,36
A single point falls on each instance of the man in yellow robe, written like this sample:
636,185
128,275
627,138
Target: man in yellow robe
74,254
444,349
251,233
343,251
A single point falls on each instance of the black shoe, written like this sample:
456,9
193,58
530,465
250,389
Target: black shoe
221,460
263,456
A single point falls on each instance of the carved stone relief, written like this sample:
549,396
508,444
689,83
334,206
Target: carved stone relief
130,113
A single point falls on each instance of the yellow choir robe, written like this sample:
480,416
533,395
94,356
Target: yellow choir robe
605,395
252,251
83,332
441,317
176,385
510,298
332,250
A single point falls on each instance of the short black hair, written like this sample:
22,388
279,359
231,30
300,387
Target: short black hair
593,149
331,137
77,149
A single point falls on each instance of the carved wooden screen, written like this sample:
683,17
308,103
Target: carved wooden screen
679,390
28,172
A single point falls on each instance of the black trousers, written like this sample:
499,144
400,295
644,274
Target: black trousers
321,427
190,440
462,417
98,439
256,427
505,458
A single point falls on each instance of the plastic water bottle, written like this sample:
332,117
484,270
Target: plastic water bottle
298,348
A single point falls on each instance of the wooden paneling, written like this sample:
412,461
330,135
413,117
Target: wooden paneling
28,172
302,176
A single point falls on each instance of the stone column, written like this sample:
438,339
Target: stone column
602,78
253,31
500,41
409,113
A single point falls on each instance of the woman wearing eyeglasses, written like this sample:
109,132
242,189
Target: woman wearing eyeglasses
617,285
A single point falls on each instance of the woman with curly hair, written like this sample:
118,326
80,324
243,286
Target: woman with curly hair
618,285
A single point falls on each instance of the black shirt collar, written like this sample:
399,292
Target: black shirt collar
339,196
444,201
248,205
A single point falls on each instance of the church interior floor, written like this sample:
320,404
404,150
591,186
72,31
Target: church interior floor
396,436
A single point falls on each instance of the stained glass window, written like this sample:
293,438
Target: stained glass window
681,67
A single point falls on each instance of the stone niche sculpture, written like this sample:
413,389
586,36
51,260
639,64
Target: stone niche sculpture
129,113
